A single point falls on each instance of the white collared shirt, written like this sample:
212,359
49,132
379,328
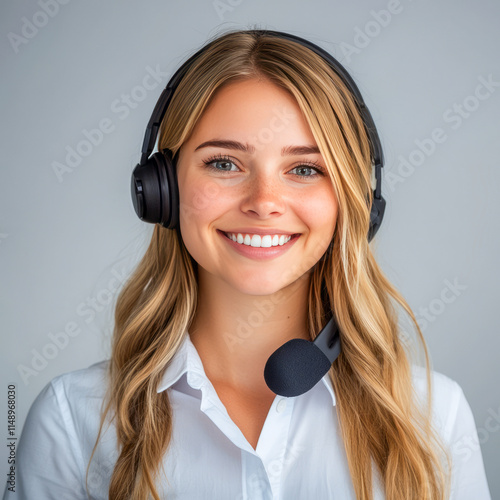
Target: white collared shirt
299,455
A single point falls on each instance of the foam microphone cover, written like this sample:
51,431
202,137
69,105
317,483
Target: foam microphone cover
298,365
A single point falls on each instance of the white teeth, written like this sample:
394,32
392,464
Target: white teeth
256,240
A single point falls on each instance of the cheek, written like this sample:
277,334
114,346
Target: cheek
320,210
202,204
197,199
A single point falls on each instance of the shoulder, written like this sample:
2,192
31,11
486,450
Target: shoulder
440,382
87,382
60,426
454,420
448,399
70,397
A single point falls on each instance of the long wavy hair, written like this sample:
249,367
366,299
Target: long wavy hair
381,422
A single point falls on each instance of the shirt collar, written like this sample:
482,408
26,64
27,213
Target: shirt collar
187,360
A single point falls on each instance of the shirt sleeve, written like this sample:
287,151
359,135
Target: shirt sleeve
48,456
468,476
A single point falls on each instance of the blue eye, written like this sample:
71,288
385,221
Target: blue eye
218,159
225,160
307,166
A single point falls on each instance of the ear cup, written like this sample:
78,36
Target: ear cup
145,190
154,190
167,165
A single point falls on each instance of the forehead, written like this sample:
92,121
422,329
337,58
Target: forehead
253,111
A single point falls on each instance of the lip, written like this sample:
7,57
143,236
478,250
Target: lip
255,230
259,253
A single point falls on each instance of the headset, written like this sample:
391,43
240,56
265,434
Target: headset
299,364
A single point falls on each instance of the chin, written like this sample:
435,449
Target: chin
259,285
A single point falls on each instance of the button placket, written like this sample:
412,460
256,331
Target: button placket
274,440
256,485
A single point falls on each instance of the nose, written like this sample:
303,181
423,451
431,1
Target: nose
263,196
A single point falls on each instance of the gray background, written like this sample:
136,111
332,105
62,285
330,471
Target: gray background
63,240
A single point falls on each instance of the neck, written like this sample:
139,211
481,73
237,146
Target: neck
235,333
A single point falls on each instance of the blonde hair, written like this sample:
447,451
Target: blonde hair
380,420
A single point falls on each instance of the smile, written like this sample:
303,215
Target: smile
258,240
259,246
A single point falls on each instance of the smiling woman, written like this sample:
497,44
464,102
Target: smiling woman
263,204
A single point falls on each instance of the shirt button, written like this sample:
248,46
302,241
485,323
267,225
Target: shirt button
281,405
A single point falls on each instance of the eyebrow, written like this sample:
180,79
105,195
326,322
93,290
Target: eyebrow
247,148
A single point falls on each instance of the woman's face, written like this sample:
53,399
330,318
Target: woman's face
260,186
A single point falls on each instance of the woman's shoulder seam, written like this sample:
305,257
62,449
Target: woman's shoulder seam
442,385
79,378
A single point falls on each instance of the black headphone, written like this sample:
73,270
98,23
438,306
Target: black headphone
299,364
